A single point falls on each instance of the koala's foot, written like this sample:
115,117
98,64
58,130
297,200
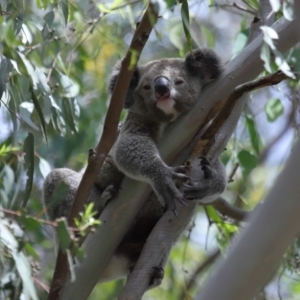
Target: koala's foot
196,190
210,187
109,193
157,277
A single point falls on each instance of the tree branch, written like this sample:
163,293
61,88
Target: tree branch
272,227
230,103
228,210
168,228
110,131
119,213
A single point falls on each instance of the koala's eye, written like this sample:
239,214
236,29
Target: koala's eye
179,81
147,87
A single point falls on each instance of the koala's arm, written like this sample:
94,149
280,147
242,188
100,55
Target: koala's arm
210,185
138,157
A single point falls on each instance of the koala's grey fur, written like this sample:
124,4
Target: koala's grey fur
158,93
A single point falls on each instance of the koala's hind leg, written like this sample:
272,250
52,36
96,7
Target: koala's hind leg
59,190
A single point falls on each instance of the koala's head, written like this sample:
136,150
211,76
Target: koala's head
165,88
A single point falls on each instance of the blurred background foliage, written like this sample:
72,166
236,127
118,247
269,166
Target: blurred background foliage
55,61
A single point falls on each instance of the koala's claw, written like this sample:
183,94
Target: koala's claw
157,276
187,185
182,202
204,160
206,167
180,169
175,212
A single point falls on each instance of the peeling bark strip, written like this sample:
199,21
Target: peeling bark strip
110,131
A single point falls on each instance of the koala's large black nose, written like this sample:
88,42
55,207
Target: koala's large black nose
162,87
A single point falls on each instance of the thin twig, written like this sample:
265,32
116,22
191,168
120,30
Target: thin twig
201,268
232,173
234,6
228,210
233,98
42,221
15,114
266,151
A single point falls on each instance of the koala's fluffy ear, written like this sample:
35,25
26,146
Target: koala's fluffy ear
203,63
132,85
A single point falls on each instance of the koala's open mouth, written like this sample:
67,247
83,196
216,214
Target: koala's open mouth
166,105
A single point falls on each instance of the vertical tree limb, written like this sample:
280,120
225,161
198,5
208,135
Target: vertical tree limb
110,131
272,227
244,67
167,229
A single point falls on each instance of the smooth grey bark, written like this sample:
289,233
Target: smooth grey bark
255,254
119,214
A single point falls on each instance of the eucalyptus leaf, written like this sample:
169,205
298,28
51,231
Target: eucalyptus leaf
40,114
269,35
247,162
26,109
265,55
65,9
8,178
71,89
253,134
5,68
45,167
21,262
63,235
28,149
69,112
275,5
288,10
273,109
29,223
185,16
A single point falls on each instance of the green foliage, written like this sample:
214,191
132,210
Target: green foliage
185,15
269,36
273,109
87,220
55,60
63,234
29,165
9,235
253,134
247,162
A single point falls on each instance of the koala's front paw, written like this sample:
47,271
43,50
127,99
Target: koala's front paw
168,194
178,174
157,277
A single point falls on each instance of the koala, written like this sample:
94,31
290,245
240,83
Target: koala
158,93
